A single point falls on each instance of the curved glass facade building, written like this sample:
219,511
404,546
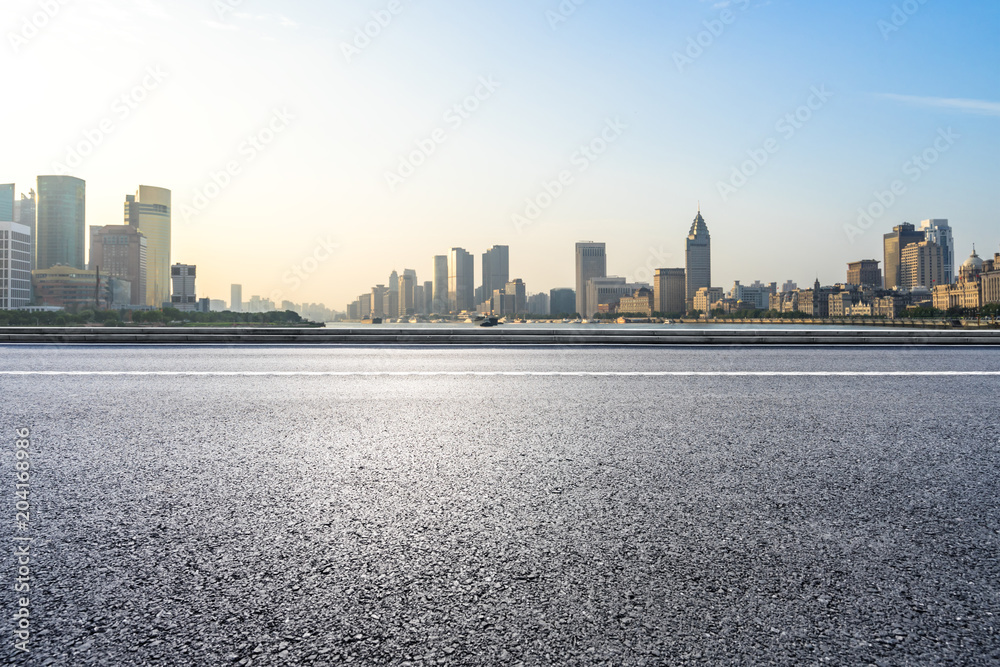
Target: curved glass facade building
149,211
61,222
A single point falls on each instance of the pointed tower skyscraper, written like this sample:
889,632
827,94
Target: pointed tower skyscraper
699,258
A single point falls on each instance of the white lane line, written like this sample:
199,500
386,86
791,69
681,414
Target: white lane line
501,373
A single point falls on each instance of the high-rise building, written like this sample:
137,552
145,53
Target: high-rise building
516,297
591,262
940,232
562,301
148,210
15,265
461,280
496,269
61,222
669,295
893,244
183,295
439,297
378,301
7,202
236,298
394,282
864,273
428,305
921,266
753,297
119,251
418,300
538,304
699,259
407,296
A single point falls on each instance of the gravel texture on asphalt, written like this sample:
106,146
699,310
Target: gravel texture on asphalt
507,520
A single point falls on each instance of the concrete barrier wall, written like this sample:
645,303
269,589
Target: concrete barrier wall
474,336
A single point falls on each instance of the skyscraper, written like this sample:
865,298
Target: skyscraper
407,293
461,280
921,265
699,259
669,295
496,269
591,262
7,202
149,212
439,298
939,232
562,301
15,265
893,244
119,251
236,298
61,222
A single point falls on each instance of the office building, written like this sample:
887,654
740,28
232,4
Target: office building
753,297
366,305
496,269
562,301
394,281
921,266
461,280
864,273
706,297
407,285
607,292
61,222
591,262
236,298
15,265
439,295
182,294
516,298
939,232
640,302
893,244
7,202
70,288
378,301
974,287
669,291
699,258
428,305
148,210
119,251
538,304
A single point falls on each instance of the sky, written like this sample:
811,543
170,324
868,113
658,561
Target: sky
313,147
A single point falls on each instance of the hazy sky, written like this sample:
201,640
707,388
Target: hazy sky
673,97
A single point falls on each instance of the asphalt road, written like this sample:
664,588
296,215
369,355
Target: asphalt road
456,519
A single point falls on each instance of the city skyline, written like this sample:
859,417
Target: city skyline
575,133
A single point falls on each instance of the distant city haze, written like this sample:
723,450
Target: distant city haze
312,148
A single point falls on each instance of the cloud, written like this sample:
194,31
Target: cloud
981,107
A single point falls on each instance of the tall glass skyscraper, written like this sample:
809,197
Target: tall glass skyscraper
60,222
7,202
699,259
149,211
461,280
496,269
439,298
